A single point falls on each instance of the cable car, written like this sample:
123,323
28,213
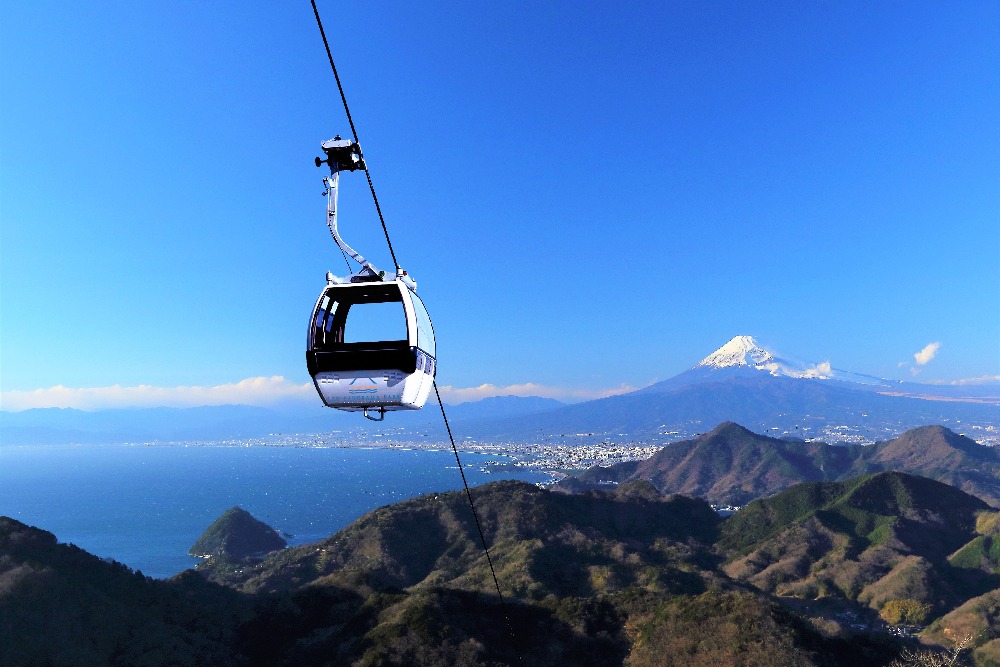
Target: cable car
370,346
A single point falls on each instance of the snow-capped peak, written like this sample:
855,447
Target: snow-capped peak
740,351
744,351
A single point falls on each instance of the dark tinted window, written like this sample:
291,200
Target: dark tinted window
360,313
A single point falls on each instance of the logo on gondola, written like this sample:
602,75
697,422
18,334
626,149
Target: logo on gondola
371,388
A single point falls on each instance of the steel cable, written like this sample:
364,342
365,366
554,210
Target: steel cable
451,438
354,132
479,527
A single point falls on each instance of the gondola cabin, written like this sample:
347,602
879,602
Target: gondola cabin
371,347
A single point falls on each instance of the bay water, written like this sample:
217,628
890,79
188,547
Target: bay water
145,506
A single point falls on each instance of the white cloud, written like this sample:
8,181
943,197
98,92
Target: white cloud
821,370
456,395
926,354
251,391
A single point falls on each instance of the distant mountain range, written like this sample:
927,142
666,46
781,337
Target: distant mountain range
740,382
744,383
731,465
43,426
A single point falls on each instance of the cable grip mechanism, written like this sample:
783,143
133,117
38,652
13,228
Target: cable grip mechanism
342,155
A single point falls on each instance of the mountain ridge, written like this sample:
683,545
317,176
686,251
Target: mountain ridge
732,465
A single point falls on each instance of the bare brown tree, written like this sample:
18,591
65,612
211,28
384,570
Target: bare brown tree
934,658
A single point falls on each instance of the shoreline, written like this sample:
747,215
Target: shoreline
551,460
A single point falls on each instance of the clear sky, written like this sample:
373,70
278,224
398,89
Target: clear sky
592,196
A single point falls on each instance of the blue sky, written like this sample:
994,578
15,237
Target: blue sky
591,197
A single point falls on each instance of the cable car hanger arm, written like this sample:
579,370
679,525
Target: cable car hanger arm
345,155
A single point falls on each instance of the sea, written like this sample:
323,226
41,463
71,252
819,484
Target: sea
144,506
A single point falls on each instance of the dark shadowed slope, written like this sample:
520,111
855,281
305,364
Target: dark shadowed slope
61,605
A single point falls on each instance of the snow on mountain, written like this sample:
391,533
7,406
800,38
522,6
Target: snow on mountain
744,351
740,351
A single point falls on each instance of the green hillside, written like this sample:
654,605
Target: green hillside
876,540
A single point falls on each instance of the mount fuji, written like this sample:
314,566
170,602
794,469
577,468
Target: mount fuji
744,357
768,393
744,351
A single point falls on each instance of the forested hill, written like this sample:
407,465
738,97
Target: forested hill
543,544
236,535
732,465
624,576
908,547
